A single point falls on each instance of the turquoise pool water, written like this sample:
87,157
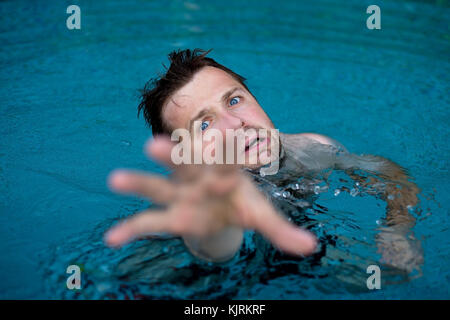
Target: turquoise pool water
68,117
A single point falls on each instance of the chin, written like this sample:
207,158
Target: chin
252,165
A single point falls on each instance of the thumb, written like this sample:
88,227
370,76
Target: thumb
293,240
285,235
261,216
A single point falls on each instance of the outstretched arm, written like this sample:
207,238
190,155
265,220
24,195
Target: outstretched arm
208,206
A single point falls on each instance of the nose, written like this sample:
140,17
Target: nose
231,121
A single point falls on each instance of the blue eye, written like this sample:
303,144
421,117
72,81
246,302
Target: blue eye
205,124
234,101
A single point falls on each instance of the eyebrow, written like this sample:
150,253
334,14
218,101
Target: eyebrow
204,112
228,94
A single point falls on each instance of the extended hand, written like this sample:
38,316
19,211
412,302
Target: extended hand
202,200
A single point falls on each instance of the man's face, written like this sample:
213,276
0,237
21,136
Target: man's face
213,99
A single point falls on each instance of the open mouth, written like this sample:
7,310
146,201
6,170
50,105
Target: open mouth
254,143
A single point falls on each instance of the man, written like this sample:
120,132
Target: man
210,205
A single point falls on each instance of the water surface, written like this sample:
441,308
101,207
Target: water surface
68,117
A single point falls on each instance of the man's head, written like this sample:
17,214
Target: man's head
197,88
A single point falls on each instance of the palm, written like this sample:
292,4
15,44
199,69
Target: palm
200,201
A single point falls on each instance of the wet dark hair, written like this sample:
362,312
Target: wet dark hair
184,64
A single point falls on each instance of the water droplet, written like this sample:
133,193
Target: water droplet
354,192
125,143
391,197
276,194
316,189
336,192
296,186
378,222
286,194
303,203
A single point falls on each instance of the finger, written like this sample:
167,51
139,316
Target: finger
159,189
139,225
160,149
257,213
285,235
275,227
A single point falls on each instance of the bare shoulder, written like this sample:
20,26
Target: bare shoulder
319,138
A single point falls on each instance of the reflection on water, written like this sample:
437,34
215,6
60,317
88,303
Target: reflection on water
346,217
